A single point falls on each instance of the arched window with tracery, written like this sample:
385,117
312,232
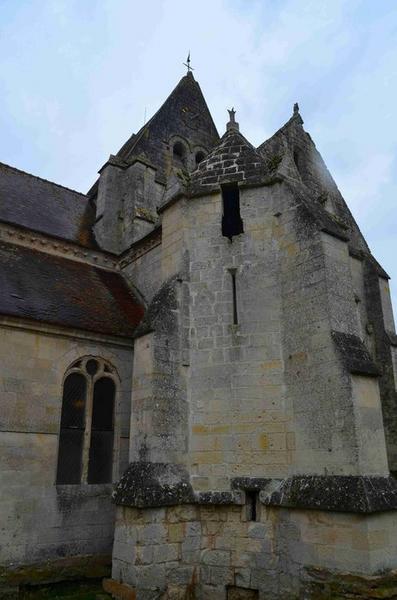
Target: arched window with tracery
86,438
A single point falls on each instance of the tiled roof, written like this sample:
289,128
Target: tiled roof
45,207
55,290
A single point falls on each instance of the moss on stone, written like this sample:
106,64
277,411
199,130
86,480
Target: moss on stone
325,585
65,569
273,162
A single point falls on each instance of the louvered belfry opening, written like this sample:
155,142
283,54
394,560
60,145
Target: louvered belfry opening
86,438
101,446
71,439
232,223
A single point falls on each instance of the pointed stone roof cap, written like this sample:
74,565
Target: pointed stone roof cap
184,114
293,151
233,160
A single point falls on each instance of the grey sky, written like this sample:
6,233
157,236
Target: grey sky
77,77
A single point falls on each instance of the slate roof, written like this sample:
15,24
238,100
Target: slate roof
185,113
55,290
45,207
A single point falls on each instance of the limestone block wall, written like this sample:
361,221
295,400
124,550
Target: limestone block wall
240,418
276,379
357,281
145,273
386,304
40,520
322,286
174,244
126,203
142,195
381,330
203,550
267,390
159,416
107,227
268,395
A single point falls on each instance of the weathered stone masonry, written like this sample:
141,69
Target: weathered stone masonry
253,337
285,402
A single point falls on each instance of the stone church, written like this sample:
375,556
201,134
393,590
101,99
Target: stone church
198,367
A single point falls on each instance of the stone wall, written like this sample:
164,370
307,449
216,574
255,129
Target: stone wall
41,520
280,379
127,198
198,551
144,272
269,396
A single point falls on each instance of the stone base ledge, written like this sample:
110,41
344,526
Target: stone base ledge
151,485
336,493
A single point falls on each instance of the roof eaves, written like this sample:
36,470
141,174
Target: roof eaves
11,168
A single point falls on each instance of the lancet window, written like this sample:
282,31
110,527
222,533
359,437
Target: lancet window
86,437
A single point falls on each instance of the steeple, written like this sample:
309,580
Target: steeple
183,117
131,185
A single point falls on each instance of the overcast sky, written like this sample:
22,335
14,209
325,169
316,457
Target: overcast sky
78,76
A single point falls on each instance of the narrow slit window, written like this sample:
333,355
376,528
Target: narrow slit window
251,498
234,295
232,223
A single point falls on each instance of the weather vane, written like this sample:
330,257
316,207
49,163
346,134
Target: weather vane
187,63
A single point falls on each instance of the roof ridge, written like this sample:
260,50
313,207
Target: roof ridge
42,179
280,130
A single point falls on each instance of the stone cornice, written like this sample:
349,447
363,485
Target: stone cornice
56,331
54,246
358,494
146,485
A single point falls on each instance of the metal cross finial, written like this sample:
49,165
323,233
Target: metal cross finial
187,64
232,112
